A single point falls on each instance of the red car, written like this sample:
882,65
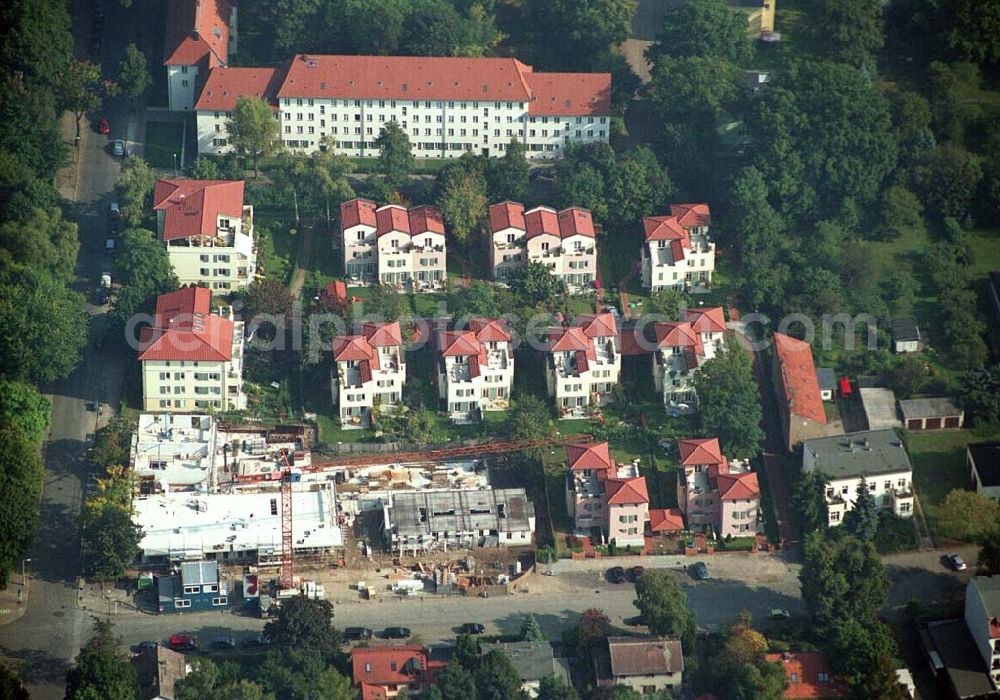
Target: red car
183,642
104,126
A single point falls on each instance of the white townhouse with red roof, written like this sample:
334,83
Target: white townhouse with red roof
564,241
682,347
677,252
601,494
208,232
368,374
200,36
217,100
447,106
717,493
475,369
582,364
192,359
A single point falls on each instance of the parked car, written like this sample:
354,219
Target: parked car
109,246
113,211
616,574
636,572
634,621
255,641
183,642
104,126
143,646
956,562
223,643
700,571
118,148
472,628
396,632
357,633
114,223
780,614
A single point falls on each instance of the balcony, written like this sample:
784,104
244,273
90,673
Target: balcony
459,372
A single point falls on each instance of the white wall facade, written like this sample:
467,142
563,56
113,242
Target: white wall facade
184,386
490,391
694,270
358,245
891,491
574,391
181,84
977,619
355,399
225,262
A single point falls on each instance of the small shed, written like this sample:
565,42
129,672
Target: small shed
880,408
827,379
931,414
905,335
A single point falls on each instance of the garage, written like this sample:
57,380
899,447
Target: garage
931,414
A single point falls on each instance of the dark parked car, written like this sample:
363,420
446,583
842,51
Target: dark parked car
616,574
472,628
700,571
142,646
183,642
357,633
396,632
255,641
636,572
956,562
634,621
223,643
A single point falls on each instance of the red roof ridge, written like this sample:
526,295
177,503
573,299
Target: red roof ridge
798,377
692,215
627,490
185,329
700,451
584,455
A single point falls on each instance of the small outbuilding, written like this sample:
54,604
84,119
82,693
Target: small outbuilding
931,414
983,459
905,335
879,405
827,379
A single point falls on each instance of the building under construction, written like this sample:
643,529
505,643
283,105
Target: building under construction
427,521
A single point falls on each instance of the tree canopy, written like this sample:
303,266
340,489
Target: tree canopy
23,405
533,284
101,671
21,473
702,28
133,76
729,402
862,520
663,607
304,623
252,129
395,155
135,190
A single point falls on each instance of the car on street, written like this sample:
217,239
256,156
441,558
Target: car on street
472,628
118,148
634,621
114,223
396,633
357,633
956,562
636,572
113,211
616,574
143,646
104,126
255,641
109,246
700,571
779,614
223,643
183,642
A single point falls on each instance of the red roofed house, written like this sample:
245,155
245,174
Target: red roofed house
409,244
583,363
357,227
191,359
562,241
198,38
681,348
800,406
475,369
382,672
677,252
208,231
808,675
369,373
601,494
716,493
217,99
647,665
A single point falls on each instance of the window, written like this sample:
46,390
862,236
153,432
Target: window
220,601
179,603
184,83
188,590
835,516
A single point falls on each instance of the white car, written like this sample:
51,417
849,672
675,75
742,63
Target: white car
118,147
956,562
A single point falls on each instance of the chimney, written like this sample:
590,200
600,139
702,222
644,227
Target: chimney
197,20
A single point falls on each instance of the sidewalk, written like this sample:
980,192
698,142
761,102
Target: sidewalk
13,600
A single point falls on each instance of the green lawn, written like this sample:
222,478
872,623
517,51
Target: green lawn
278,253
422,166
163,141
985,245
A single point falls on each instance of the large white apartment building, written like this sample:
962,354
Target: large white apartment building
982,617
191,359
682,347
475,369
208,231
677,252
369,371
446,105
217,101
563,241
582,364
200,36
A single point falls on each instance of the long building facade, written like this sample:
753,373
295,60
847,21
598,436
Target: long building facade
447,106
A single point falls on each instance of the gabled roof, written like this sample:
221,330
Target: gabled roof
224,85
569,339
624,491
540,221
373,691
569,94
347,348
738,487
664,228
425,218
677,334
904,330
700,451
692,215
196,29
383,334
158,671
392,665
645,656
391,217
666,519
506,215
589,456
489,330
458,344
600,325
800,385
193,207
802,672
357,211
185,329
710,320
335,289
575,221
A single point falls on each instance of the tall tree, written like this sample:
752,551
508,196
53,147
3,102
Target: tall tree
80,89
533,284
862,520
304,623
594,627
11,687
302,672
663,607
267,296
110,542
508,177
849,31
530,631
989,552
145,270
590,28
529,418
23,405
496,678
463,205
253,130
133,76
44,241
902,212
480,299
981,395
101,671
395,157
456,682
467,652
135,190
21,481
729,402
555,688
703,28
37,39
330,172
207,681
810,502
966,515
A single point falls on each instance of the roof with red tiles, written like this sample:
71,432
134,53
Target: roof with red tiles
347,348
738,487
569,94
799,382
692,215
663,228
627,491
676,334
185,329
371,691
802,671
391,217
710,320
700,451
666,519
569,339
193,207
391,665
383,334
458,344
489,330
575,221
540,221
600,325
589,456
224,85
358,211
506,215
336,289
425,218
196,29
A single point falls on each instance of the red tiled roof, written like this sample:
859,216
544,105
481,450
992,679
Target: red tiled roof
380,335
541,220
506,215
489,330
193,207
692,215
677,334
805,667
352,347
196,29
224,85
336,289
666,520
600,325
371,691
589,456
394,665
700,451
798,373
575,222
663,228
425,218
569,340
458,344
711,320
631,342
738,487
391,217
569,94
623,491
184,329
357,211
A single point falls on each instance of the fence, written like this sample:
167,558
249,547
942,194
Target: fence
362,448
